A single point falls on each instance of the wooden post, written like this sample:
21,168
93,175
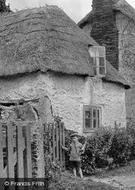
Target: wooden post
57,141
63,143
11,157
40,162
3,172
20,149
54,143
28,152
60,141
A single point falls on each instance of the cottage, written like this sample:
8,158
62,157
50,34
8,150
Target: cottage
112,24
44,53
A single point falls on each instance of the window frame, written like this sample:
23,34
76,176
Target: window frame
92,107
96,60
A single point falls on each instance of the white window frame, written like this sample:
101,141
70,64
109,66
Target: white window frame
97,52
97,117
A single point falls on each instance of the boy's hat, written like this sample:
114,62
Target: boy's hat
74,134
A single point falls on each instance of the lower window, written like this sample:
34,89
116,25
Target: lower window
92,117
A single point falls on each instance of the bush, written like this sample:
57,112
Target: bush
106,147
131,132
121,146
96,152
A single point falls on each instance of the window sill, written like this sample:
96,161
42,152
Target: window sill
89,130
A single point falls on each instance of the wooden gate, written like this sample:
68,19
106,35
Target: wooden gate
15,150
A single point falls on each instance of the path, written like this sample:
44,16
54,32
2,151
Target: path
123,182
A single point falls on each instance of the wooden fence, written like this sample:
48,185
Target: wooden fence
15,147
15,150
56,134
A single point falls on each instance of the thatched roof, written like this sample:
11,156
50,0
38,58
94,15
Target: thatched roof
86,19
45,39
42,39
125,8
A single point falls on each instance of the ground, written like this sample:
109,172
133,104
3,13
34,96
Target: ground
122,178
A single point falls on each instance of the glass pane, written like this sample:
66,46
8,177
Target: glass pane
95,71
94,123
94,112
87,123
87,114
102,70
92,51
101,51
101,62
98,118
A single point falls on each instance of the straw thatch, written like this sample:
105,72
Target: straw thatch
45,39
125,8
42,39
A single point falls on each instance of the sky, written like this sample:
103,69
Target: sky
76,9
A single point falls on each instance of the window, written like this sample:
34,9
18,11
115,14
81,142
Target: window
92,117
98,55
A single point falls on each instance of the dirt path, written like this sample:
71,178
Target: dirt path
123,182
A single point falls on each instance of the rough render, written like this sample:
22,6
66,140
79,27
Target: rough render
126,28
68,94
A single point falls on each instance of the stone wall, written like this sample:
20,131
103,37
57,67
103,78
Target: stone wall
126,28
68,94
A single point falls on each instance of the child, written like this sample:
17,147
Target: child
75,151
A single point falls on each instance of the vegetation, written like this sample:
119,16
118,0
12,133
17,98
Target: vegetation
4,7
106,148
68,182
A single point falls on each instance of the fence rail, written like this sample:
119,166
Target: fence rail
15,150
15,146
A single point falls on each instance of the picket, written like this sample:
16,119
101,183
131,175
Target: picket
16,142
58,139
3,171
11,157
20,147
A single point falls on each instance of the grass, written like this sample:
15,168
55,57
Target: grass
121,171
69,182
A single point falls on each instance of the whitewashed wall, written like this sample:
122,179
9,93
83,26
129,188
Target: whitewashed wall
68,94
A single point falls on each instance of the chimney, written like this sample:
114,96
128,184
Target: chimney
104,29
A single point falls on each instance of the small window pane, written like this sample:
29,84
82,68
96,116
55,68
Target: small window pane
92,51
101,62
98,116
87,114
101,70
101,51
94,123
87,123
94,112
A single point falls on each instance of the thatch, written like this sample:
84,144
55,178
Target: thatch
114,76
86,19
42,39
125,8
45,39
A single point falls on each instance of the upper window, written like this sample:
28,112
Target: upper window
98,55
92,117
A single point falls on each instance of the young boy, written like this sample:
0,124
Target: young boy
75,151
